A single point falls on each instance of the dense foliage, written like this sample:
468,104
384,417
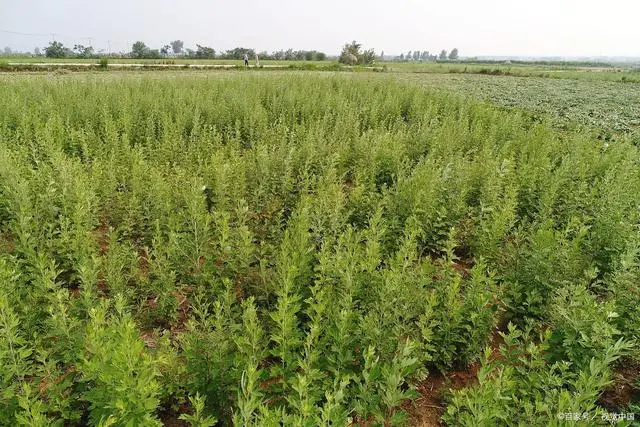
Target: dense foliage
352,54
299,249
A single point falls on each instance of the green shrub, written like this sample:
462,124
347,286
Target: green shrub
583,327
121,376
198,418
521,386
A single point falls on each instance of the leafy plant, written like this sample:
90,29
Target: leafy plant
521,385
121,375
198,418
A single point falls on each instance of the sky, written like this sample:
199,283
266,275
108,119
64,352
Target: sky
569,28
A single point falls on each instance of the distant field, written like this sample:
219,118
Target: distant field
607,107
560,71
619,74
610,107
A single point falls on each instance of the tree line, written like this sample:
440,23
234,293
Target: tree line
354,54
425,55
140,50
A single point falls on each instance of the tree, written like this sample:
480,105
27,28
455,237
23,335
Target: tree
443,55
382,56
56,50
205,52
368,57
424,56
454,54
139,50
409,56
177,46
350,53
36,51
239,52
165,49
7,50
83,51
416,55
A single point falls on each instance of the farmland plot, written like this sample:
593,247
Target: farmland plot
304,250
607,109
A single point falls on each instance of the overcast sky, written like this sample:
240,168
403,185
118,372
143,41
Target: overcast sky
489,27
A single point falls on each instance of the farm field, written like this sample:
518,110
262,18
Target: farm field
287,248
627,73
125,65
605,107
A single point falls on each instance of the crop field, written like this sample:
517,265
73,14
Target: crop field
171,65
605,107
285,248
627,73
609,73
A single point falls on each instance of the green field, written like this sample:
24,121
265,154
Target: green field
626,74
605,72
307,248
31,64
606,108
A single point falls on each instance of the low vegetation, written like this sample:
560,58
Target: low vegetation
299,249
604,107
